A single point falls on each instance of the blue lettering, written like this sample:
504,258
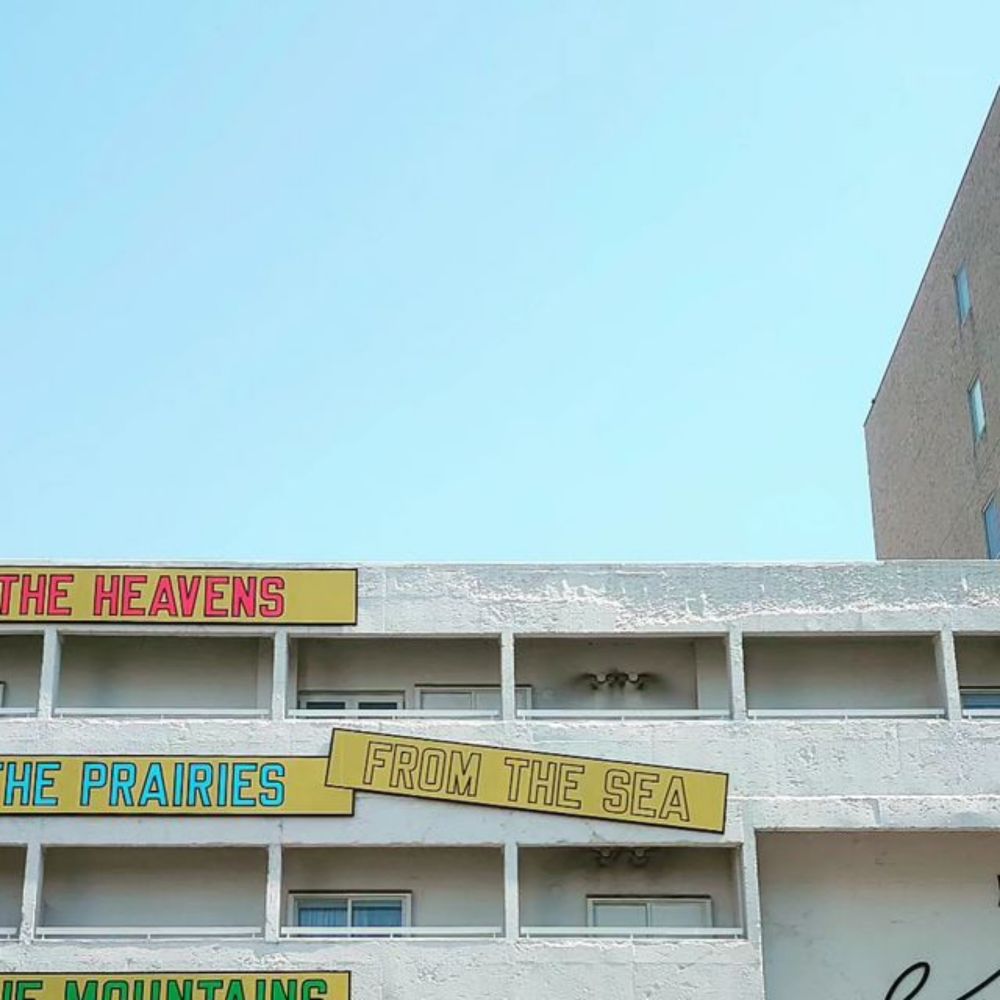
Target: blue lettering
44,780
272,783
123,778
95,775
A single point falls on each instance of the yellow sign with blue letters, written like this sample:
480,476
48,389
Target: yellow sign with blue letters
169,786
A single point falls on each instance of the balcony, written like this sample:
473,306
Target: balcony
978,660
624,678
630,892
842,677
165,676
356,892
11,883
20,672
152,893
395,678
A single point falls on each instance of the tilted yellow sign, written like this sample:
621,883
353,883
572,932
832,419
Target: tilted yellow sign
176,986
521,779
169,786
169,595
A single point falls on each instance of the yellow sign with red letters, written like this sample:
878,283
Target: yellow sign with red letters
173,596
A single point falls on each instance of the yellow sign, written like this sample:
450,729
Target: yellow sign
169,786
176,986
147,595
520,779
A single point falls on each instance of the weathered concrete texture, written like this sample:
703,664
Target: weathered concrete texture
809,774
929,479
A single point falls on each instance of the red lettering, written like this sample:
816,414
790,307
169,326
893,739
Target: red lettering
107,591
7,581
272,598
244,596
32,594
188,588
58,583
131,594
213,594
164,599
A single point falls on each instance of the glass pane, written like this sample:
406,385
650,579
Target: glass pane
977,410
991,520
446,699
521,697
679,913
377,913
323,914
327,704
609,913
488,699
981,699
963,296
379,706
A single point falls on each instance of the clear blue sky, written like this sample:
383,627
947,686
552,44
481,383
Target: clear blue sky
449,281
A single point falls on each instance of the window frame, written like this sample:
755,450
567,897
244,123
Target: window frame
993,689
990,552
704,900
317,896
963,294
423,689
351,700
974,394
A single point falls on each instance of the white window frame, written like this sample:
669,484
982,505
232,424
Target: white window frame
319,898
977,410
351,699
993,689
704,901
472,689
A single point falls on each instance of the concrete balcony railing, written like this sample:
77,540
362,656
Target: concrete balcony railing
340,933
146,933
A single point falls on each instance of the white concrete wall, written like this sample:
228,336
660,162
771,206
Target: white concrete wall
162,671
556,881
849,672
394,665
557,669
844,914
451,887
20,669
811,775
160,887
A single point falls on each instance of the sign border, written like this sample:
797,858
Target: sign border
539,812
176,622
4,814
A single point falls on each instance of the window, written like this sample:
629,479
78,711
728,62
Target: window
652,911
977,410
478,698
351,701
963,295
351,910
991,521
980,697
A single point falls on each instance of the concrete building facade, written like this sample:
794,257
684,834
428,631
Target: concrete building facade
855,709
933,430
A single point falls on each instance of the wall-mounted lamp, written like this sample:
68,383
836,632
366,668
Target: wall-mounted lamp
617,679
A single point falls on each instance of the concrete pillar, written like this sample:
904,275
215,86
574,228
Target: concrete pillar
31,893
737,679
48,687
274,897
279,675
508,680
947,673
511,892
748,883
